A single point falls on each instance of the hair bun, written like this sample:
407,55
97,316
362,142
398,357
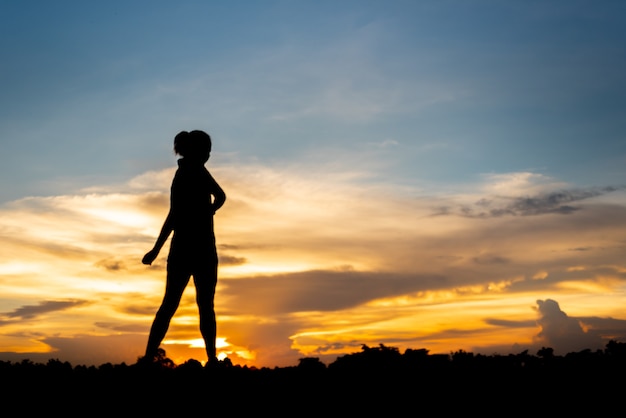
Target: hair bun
194,143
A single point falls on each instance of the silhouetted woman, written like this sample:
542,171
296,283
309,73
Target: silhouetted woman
195,196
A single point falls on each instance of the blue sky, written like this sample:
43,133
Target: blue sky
438,174
94,92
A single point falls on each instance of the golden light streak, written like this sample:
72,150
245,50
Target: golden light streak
19,344
424,323
220,342
587,286
21,267
248,270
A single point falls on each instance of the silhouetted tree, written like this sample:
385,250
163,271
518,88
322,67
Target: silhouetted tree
190,365
616,349
462,358
546,352
370,359
311,364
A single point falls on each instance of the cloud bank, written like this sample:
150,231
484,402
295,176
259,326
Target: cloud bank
316,263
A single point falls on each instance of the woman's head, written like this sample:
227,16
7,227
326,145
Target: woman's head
193,145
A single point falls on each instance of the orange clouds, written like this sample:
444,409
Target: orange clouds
314,262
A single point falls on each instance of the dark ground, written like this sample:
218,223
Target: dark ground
378,381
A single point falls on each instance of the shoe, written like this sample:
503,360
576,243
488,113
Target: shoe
214,364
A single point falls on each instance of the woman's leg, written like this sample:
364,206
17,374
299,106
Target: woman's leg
174,288
205,294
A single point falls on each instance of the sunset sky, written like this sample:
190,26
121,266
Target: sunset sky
427,174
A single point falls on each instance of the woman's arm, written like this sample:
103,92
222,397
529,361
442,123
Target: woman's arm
165,232
219,197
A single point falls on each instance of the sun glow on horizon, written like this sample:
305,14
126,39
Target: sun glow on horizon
220,342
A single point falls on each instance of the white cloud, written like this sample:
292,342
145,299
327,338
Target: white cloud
519,184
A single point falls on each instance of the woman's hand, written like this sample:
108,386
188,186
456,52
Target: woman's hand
150,256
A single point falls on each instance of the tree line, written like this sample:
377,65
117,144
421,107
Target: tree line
378,379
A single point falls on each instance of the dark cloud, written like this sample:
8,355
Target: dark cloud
248,246
558,202
126,328
555,202
160,264
228,247
26,333
140,310
339,346
112,265
320,290
490,259
32,311
229,260
510,324
555,277
95,350
608,328
563,333
581,249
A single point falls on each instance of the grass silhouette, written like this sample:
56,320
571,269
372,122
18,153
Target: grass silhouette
376,380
